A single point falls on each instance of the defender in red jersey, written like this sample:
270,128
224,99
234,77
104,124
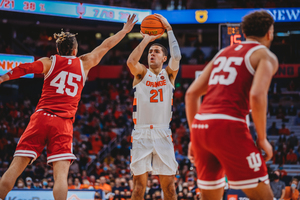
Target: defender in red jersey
236,80
52,123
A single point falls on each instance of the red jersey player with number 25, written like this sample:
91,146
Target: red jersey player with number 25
236,80
52,123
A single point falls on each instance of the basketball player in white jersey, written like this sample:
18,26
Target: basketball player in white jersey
152,147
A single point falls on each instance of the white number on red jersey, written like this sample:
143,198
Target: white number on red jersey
224,65
60,82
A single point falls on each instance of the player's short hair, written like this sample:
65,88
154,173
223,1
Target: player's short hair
65,42
165,51
257,23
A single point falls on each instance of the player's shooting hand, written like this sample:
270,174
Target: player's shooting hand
151,38
266,146
191,153
164,21
130,23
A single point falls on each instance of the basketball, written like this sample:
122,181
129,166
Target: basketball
151,25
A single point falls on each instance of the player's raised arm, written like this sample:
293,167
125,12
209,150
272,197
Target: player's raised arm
173,66
40,66
266,68
93,58
133,63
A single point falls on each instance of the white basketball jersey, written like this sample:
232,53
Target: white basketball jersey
153,99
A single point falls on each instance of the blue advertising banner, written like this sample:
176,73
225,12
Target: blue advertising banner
73,10
47,194
8,62
211,16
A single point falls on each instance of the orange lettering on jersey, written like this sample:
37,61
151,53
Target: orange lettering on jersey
156,84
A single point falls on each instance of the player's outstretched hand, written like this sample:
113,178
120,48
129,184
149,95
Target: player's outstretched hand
266,146
164,21
4,78
190,153
151,37
130,23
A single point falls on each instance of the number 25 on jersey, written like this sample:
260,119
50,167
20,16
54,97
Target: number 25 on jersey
224,66
60,82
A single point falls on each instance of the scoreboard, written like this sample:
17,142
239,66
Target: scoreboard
230,34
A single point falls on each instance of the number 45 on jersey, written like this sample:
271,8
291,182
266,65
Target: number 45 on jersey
60,82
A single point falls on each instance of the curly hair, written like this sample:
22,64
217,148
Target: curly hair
165,51
257,23
65,42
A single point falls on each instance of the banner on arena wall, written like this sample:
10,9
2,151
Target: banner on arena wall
73,10
8,62
47,194
212,16
288,71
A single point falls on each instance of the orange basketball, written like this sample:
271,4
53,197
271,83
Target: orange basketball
151,25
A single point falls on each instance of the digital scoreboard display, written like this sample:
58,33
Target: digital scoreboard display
74,10
230,34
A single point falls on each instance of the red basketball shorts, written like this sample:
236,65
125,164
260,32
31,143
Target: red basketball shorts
223,145
45,129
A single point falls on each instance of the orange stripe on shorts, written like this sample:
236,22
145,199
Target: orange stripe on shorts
134,121
134,101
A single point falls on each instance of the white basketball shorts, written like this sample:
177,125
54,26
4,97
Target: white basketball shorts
152,151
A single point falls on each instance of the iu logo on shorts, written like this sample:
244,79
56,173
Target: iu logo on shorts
232,197
254,161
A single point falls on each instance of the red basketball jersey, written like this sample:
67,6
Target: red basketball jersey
230,81
62,86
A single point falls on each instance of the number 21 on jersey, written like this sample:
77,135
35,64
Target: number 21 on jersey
60,82
154,93
224,65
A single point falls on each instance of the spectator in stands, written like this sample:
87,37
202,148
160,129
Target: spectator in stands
20,184
292,140
291,192
76,183
291,157
280,112
104,186
124,185
277,186
71,186
292,111
155,187
36,184
44,183
29,183
284,130
272,130
297,120
191,184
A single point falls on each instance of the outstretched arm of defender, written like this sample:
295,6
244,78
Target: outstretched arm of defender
173,66
133,63
40,66
92,59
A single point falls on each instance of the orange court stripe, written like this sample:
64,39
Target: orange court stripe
134,121
134,101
